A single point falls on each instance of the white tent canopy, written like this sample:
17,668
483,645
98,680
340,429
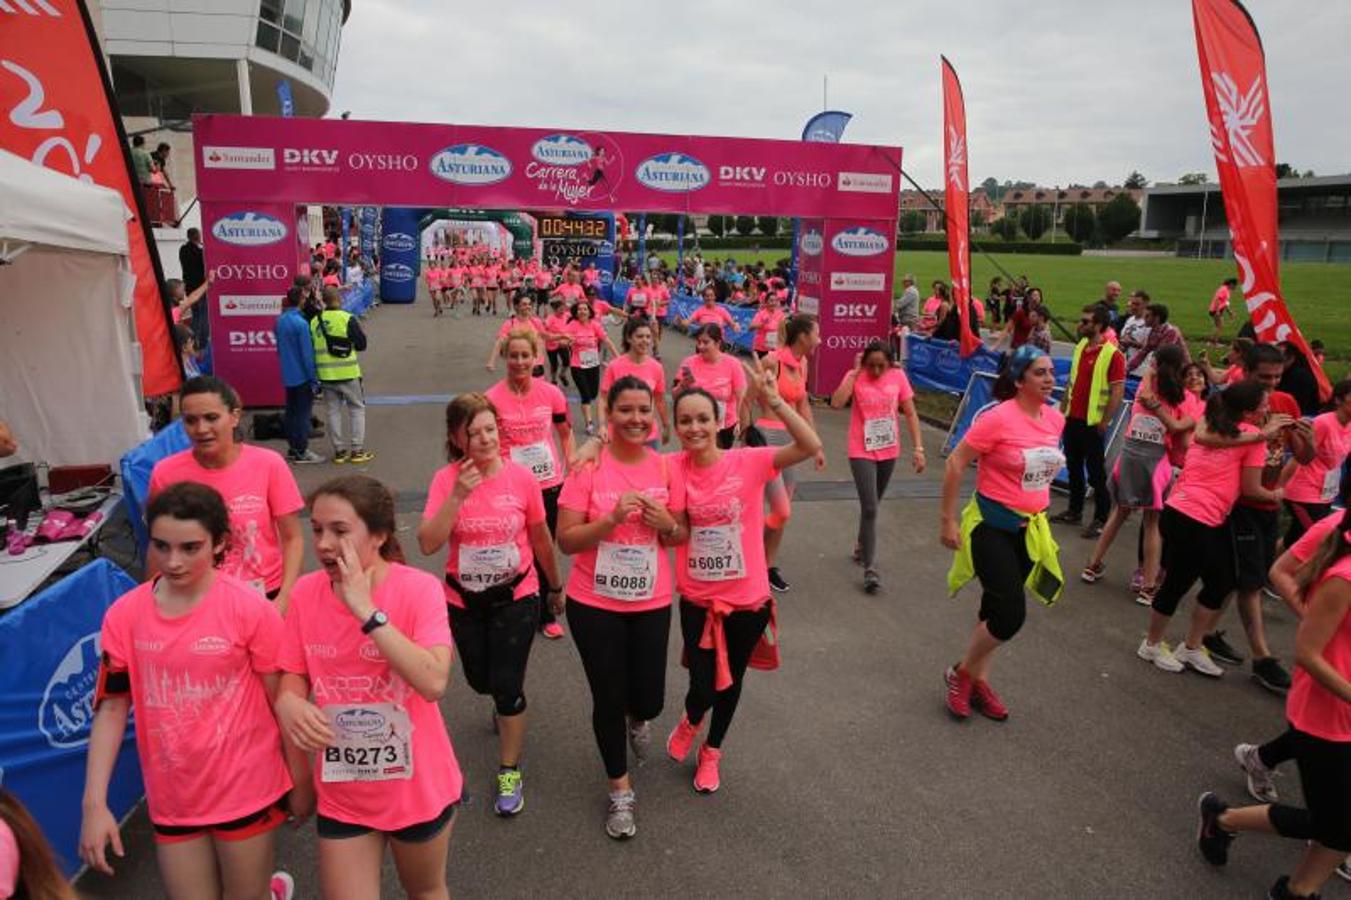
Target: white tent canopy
68,385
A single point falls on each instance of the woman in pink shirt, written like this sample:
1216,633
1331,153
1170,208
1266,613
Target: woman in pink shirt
721,375
556,323
877,389
489,512
637,361
931,312
661,305
266,546
586,338
1310,492
195,652
492,280
638,300
435,280
711,314
766,324
616,519
725,602
522,319
366,658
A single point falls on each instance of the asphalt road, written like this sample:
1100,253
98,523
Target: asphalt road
842,774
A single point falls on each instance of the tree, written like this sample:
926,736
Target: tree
912,221
1099,185
977,218
1285,170
1035,221
1118,218
1079,222
1006,228
745,225
715,225
1137,181
768,225
1192,178
991,188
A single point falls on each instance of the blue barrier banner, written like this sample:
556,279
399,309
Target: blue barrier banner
400,254
366,234
682,305
50,647
359,299
938,366
136,465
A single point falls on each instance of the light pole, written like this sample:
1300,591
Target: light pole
1055,212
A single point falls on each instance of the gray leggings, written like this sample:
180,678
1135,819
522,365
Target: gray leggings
870,479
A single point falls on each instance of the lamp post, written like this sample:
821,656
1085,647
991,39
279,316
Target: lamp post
1055,212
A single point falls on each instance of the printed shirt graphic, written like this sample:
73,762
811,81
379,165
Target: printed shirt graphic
528,420
877,400
724,379
1310,706
586,339
1211,478
258,488
209,745
649,372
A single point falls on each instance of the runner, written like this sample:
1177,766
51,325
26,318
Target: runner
454,285
638,362
435,278
1197,531
586,337
1003,537
600,307
477,283
522,319
569,290
543,282
725,603
1310,492
556,323
766,324
194,650
1318,709
616,519
490,512
711,313
532,424
368,639
492,278
721,376
878,388
661,307
638,300
1219,307
266,547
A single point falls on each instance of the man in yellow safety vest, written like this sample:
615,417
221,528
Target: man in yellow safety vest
337,339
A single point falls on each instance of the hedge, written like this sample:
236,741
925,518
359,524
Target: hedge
783,244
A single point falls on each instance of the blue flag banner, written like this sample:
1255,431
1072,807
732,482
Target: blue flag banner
826,126
288,106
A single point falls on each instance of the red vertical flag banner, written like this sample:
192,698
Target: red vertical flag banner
956,199
56,109
1233,76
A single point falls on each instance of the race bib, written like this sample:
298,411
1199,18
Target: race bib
486,566
588,359
626,571
715,553
720,413
1040,466
1332,483
372,742
772,339
879,434
538,458
1147,429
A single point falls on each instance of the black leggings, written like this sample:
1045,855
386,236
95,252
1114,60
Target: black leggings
1002,565
587,381
1193,550
1325,779
546,615
871,477
726,437
1302,517
743,629
493,640
624,655
558,363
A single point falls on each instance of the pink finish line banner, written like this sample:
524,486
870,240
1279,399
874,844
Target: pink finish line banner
260,159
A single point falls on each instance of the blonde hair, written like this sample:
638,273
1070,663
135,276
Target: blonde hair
529,335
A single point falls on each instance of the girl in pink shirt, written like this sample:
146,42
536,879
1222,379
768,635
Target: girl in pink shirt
616,519
195,651
877,389
492,277
661,307
1016,448
556,324
366,658
765,324
522,319
725,603
721,375
266,546
489,512
1310,492
638,362
586,337
711,313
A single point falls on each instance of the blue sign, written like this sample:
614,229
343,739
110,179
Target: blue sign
400,256
825,127
288,106
366,234
683,305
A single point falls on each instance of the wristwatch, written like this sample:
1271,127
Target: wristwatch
377,619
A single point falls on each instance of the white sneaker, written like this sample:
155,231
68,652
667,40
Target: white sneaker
1197,660
1159,655
1261,780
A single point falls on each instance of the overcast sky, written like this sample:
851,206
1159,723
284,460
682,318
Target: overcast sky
1057,91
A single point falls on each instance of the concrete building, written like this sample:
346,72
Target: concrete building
1314,216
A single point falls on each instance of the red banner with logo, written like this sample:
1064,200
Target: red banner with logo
956,197
57,111
1233,76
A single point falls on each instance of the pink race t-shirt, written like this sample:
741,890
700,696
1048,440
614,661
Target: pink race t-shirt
724,558
649,372
586,341
724,379
527,427
555,323
543,279
591,276
350,677
765,323
570,292
600,308
1194,408
1307,545
534,323
1220,301
1211,479
1310,706
1321,479
715,315
661,298
1019,455
209,745
874,425
629,570
490,541
258,489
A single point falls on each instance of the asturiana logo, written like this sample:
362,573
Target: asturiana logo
673,172
67,710
359,720
859,241
249,229
811,242
396,272
399,242
561,150
472,164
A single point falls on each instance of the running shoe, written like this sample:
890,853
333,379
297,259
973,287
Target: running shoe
619,822
552,630
1159,654
339,457
1261,780
510,792
283,886
1145,595
640,740
706,779
1281,891
1198,660
1222,649
959,692
1270,674
1093,529
1270,592
872,582
1068,518
682,738
1344,870
986,702
776,580
1093,573
308,458
1211,840
360,456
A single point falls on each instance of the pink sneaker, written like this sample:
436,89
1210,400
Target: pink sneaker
681,739
706,774
283,886
553,631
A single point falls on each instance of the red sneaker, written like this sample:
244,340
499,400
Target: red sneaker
959,692
706,779
987,702
681,739
552,630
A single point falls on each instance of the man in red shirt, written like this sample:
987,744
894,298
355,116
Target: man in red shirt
1097,384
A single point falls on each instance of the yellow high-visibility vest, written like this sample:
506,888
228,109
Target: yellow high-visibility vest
329,367
1099,389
